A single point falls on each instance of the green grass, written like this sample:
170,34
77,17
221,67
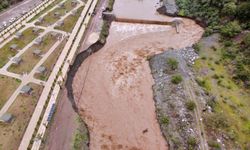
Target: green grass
50,62
45,10
70,21
22,110
231,99
29,60
6,53
50,19
7,87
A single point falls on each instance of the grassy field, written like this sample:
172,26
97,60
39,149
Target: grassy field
29,60
232,105
50,19
22,109
50,62
7,87
70,21
5,51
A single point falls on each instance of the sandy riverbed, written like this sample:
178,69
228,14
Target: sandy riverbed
113,87
116,99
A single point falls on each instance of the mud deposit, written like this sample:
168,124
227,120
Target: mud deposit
113,87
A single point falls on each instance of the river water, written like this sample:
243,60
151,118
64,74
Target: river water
115,83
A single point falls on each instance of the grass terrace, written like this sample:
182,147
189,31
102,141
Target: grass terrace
70,21
45,10
50,62
29,60
7,86
51,18
6,53
22,110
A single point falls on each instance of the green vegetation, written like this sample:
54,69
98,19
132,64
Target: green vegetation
50,62
164,120
81,138
228,17
173,63
176,79
229,99
192,143
190,105
213,144
216,14
22,110
70,21
110,5
6,53
45,10
54,15
105,31
29,60
6,3
7,87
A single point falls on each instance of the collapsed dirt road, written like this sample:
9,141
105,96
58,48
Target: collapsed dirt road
113,87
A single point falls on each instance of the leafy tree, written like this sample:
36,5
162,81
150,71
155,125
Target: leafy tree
231,29
243,11
229,9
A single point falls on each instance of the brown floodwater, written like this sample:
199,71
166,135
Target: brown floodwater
113,87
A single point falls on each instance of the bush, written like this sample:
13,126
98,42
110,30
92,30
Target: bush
176,79
246,40
164,120
213,144
190,105
216,120
173,63
191,142
231,29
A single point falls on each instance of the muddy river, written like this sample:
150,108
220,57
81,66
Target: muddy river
113,87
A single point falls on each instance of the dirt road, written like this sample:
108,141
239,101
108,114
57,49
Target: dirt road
116,101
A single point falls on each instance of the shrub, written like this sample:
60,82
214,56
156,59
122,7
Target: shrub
190,105
246,40
231,29
176,79
216,120
191,142
197,47
173,63
213,144
164,120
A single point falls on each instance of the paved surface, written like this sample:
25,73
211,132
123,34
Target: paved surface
16,10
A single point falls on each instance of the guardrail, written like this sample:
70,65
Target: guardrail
25,18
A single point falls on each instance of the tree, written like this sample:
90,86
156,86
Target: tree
243,11
231,29
173,63
229,9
